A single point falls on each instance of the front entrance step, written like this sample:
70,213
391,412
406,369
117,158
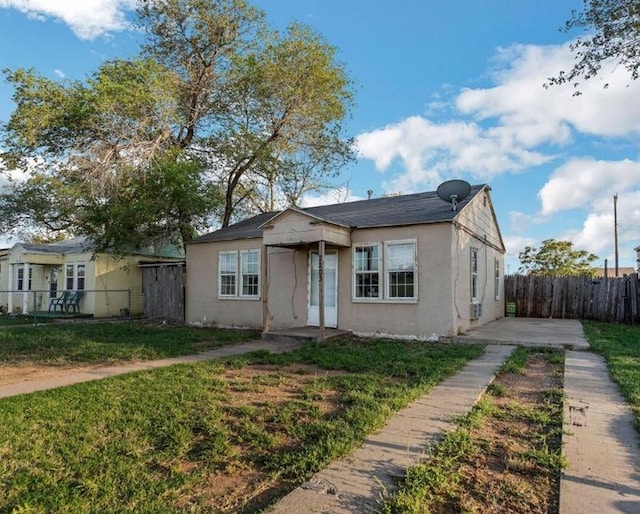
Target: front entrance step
304,334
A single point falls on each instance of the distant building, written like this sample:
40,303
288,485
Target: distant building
611,272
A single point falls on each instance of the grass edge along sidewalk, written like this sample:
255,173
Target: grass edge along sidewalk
620,346
163,440
504,455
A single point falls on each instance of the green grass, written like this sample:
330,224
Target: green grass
10,321
620,346
155,441
83,343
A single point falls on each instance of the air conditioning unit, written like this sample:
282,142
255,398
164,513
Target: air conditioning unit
476,310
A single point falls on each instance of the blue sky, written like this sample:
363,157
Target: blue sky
444,90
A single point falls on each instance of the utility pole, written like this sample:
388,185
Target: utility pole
615,226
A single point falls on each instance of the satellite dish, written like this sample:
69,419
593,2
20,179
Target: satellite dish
453,191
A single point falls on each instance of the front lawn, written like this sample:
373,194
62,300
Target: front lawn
216,436
620,345
88,343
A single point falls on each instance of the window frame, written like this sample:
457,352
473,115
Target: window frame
75,276
474,274
242,274
387,271
379,272
497,278
239,276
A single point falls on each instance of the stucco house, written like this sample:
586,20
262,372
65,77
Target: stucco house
32,275
407,266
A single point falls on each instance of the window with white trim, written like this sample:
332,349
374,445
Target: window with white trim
366,271
20,278
497,277
239,274
75,276
227,270
401,270
474,274
250,273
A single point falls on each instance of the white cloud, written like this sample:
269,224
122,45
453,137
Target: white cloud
59,73
337,195
506,127
430,152
516,243
88,19
533,115
582,181
597,234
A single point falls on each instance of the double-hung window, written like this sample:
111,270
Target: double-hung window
497,279
20,278
474,274
366,269
227,271
75,276
391,274
250,273
239,274
401,270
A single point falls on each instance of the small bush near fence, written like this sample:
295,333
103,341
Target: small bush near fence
611,299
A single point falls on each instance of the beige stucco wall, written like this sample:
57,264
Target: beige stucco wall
476,228
442,307
202,302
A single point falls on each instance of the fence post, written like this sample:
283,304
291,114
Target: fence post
35,314
129,302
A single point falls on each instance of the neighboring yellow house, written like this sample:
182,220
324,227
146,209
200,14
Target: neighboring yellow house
407,266
32,275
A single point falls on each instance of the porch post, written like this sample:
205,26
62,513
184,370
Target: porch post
25,289
266,319
321,248
12,270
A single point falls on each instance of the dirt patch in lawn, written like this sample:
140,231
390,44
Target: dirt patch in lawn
517,465
16,373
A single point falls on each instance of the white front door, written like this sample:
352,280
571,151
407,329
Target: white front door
330,289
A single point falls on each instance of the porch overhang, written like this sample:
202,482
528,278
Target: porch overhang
45,259
293,228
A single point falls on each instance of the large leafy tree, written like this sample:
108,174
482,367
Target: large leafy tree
217,111
555,257
612,35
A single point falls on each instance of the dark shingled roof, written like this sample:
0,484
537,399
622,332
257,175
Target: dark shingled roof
377,212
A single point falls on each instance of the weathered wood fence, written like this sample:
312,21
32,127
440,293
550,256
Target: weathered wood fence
163,287
611,299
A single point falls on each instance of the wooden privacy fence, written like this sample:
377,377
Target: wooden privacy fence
611,299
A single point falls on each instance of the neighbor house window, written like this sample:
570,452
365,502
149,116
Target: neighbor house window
474,274
20,278
239,274
250,272
497,278
401,270
75,276
366,271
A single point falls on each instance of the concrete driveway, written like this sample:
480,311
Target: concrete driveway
554,333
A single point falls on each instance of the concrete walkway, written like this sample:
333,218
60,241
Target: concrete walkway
357,482
74,377
603,447
554,333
